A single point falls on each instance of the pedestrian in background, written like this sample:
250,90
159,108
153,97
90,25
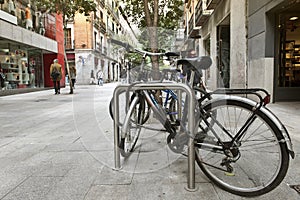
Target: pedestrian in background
100,77
92,81
72,75
2,79
56,75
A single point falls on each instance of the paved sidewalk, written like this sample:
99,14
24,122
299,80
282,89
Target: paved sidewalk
61,147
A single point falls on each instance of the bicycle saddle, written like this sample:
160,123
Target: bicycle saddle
196,64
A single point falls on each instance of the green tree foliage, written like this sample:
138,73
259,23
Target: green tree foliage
154,16
168,13
66,7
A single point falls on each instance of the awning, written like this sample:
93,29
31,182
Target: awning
70,56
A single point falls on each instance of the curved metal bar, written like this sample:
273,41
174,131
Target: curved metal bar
191,123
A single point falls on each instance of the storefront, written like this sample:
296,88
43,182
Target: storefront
287,83
26,51
21,66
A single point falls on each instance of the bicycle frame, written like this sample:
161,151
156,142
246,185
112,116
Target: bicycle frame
227,136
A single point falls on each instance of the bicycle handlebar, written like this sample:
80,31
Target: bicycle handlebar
123,44
128,47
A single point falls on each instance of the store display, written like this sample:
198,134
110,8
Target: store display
14,67
292,62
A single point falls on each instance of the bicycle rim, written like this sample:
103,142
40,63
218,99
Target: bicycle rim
128,142
262,162
173,110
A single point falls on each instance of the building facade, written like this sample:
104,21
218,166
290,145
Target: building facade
252,43
274,47
88,46
29,41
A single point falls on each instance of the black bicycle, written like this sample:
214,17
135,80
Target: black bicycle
241,146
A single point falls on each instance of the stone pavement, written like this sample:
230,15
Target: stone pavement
61,147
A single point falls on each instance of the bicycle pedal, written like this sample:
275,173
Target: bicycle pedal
176,123
229,174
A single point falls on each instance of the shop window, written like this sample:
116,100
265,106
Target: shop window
289,71
15,67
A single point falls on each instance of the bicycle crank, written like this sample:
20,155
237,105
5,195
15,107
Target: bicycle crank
177,143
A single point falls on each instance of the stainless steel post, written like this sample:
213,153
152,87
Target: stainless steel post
191,122
179,101
116,127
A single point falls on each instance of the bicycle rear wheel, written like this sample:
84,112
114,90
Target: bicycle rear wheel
253,165
133,121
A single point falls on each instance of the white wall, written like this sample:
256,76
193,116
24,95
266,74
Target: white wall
84,62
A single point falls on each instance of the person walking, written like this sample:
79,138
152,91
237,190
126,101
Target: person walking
72,75
100,77
92,81
2,80
56,75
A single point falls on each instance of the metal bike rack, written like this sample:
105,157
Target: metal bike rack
191,123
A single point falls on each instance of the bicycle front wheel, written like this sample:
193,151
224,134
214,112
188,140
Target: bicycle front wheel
252,165
133,122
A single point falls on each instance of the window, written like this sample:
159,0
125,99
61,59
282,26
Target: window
95,40
68,39
101,15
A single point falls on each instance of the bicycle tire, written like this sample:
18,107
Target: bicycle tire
263,161
128,142
172,110
146,112
146,109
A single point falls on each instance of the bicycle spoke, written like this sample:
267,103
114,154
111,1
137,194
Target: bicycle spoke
251,165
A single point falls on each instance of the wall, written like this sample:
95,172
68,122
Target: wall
48,58
83,30
84,62
261,39
236,11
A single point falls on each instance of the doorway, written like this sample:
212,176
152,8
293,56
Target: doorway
223,52
287,83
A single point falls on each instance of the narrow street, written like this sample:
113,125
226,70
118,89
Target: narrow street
61,147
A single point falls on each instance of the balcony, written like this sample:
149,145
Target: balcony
212,4
104,51
98,47
191,26
102,3
96,23
69,44
102,27
112,11
201,14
